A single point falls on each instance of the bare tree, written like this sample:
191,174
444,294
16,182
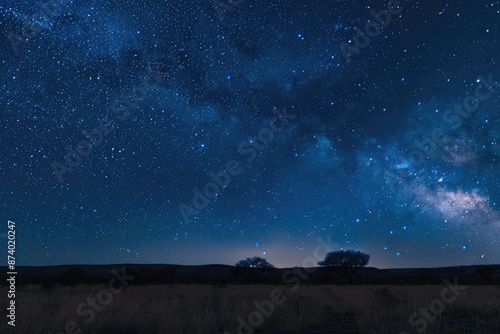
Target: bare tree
253,267
346,262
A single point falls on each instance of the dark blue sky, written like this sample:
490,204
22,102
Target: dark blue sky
391,145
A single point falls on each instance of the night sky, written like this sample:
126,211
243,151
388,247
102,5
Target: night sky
388,144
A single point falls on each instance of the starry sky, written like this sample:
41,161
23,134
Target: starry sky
387,144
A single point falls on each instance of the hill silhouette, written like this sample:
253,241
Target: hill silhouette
146,274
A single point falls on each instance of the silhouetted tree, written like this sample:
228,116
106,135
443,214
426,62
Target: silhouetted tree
487,271
253,267
346,262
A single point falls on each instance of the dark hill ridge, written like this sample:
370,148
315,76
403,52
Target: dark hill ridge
224,274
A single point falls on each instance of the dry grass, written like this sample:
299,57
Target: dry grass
199,309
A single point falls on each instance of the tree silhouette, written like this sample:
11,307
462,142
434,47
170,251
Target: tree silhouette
346,262
253,267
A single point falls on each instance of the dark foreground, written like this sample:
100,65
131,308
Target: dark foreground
198,309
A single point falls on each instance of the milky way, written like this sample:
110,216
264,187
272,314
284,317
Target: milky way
155,131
